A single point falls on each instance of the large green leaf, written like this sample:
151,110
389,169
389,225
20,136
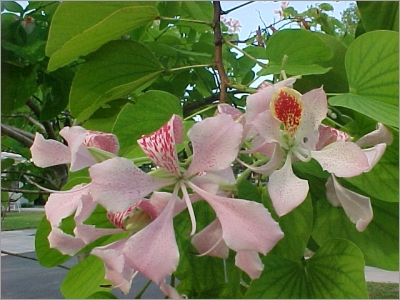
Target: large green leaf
18,84
378,15
379,242
335,271
114,71
84,279
382,112
152,110
305,52
74,33
372,66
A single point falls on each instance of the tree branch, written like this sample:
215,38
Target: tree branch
46,124
24,191
14,134
218,41
29,118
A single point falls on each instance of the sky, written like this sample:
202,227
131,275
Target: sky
260,12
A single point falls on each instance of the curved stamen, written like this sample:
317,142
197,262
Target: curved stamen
302,154
211,249
190,207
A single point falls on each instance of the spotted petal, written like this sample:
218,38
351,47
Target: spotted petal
286,190
215,142
153,250
160,146
344,159
117,183
46,153
357,207
380,135
246,225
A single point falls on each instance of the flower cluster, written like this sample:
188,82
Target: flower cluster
232,24
280,125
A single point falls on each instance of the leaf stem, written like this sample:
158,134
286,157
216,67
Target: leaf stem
166,71
185,20
200,111
139,295
246,54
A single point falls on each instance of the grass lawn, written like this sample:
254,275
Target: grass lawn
21,220
383,290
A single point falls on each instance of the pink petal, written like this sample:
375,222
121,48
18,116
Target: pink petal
171,292
329,135
117,183
246,225
380,135
268,127
62,205
215,142
153,250
65,243
229,110
46,153
102,140
374,154
357,207
344,159
271,165
116,270
80,156
211,238
160,146
250,262
286,190
314,111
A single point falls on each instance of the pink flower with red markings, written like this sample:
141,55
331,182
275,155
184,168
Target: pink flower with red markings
291,125
46,153
215,142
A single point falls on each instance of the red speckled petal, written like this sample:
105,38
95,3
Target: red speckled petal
287,107
160,146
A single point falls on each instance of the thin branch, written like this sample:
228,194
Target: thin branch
10,132
31,258
225,12
47,124
218,41
24,191
29,118
246,54
31,175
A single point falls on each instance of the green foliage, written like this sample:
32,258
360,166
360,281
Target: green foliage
336,270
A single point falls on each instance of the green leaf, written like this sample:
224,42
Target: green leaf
379,242
382,15
372,66
334,81
335,271
47,257
198,10
152,110
84,279
11,6
304,50
114,71
18,85
382,112
73,33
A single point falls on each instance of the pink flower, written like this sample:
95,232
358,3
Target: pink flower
46,153
246,225
291,125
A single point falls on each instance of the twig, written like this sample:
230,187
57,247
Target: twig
218,41
225,12
29,118
31,175
47,124
31,258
